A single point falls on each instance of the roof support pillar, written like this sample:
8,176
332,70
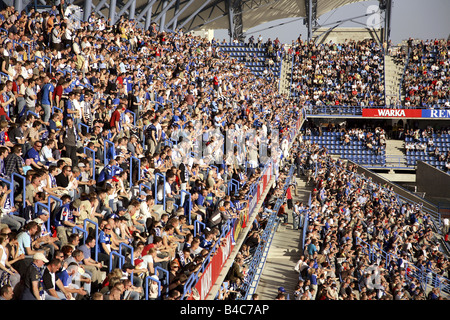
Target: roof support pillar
192,16
112,12
174,20
132,10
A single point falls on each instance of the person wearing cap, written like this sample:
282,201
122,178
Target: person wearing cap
281,290
33,279
130,272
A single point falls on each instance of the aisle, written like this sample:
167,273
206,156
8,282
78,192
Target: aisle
283,254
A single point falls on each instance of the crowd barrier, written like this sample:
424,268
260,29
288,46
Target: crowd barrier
425,276
200,283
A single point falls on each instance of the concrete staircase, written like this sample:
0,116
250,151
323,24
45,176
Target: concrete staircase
395,148
284,252
285,76
393,74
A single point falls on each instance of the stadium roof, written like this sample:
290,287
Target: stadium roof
213,14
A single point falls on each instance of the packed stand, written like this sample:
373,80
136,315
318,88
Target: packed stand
347,214
91,113
338,74
426,78
238,278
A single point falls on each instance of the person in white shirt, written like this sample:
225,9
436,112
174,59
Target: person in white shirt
46,153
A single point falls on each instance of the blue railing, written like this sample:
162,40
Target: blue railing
187,197
131,169
198,227
24,183
105,150
166,280
85,222
93,160
260,255
147,288
158,176
4,75
43,60
193,278
83,125
233,184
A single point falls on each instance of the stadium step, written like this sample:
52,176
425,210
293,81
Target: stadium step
395,152
284,253
395,147
393,74
285,77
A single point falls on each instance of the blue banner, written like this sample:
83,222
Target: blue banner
439,113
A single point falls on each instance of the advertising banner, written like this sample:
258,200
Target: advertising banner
213,269
392,113
440,113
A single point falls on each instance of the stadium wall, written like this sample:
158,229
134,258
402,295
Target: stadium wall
431,180
341,35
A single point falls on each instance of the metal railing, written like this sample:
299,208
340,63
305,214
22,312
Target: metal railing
259,258
163,177
131,169
93,160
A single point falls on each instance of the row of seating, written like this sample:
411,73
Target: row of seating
257,68
244,54
242,49
354,151
429,149
367,160
433,162
443,139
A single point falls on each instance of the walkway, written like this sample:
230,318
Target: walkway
283,254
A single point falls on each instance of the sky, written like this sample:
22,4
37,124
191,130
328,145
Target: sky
419,19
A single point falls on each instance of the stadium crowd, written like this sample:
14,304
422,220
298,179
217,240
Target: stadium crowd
348,214
427,74
338,74
432,142
108,125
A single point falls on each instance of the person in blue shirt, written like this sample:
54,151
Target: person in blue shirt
46,97
207,240
34,157
65,217
108,172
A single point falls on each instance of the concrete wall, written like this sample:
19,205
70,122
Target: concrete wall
340,35
434,182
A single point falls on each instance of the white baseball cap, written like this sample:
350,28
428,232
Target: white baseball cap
40,256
